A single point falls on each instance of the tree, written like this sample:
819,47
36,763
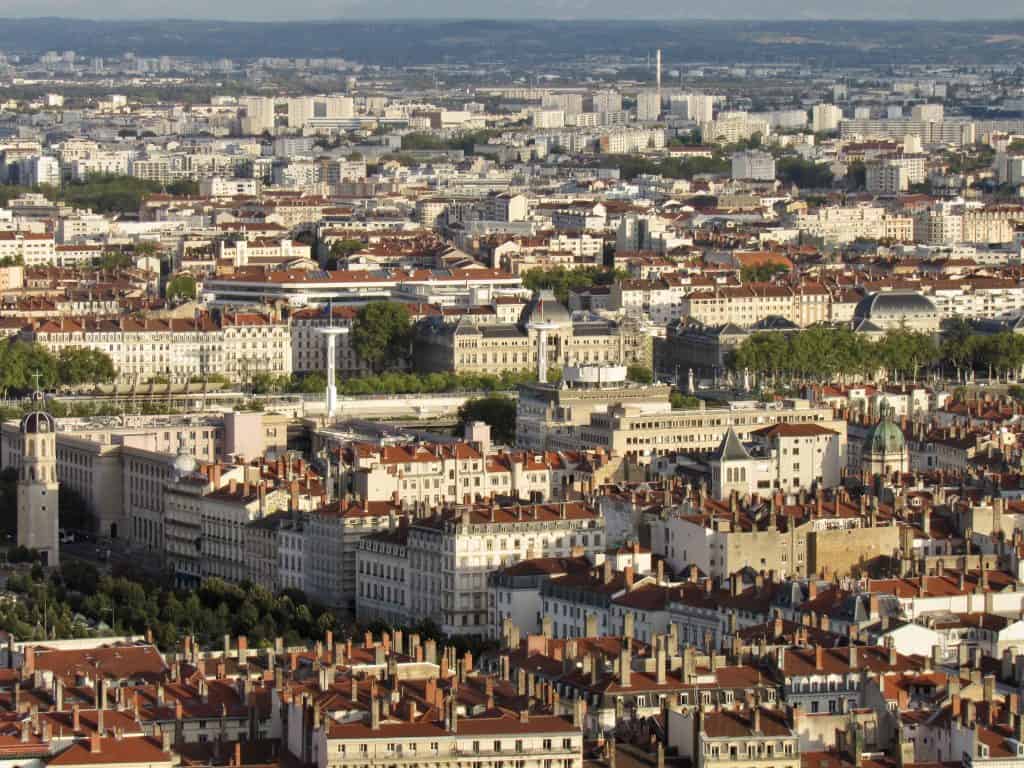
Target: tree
857,175
8,501
181,286
763,273
115,260
74,511
422,141
640,374
381,333
561,280
683,402
77,366
269,384
497,411
108,193
20,361
803,173
342,249
184,187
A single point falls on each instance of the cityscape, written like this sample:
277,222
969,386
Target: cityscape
501,392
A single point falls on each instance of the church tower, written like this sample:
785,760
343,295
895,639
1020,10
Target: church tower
37,484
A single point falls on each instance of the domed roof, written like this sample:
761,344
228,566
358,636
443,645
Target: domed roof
885,305
545,308
184,462
885,438
37,422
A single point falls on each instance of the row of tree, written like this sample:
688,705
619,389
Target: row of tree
466,141
393,383
53,605
130,604
21,361
965,349
561,281
631,166
822,353
103,192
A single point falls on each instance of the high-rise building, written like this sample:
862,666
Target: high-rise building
300,110
929,113
825,118
648,106
40,170
259,114
338,106
569,103
701,107
607,101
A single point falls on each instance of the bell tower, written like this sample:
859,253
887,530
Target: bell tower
37,484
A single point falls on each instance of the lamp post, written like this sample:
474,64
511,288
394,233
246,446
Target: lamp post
331,333
542,327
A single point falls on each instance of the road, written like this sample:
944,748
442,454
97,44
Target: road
106,553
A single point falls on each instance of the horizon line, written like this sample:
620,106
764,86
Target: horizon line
510,20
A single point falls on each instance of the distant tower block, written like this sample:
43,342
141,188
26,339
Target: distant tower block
37,484
332,333
657,76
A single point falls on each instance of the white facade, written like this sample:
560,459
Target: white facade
825,118
753,166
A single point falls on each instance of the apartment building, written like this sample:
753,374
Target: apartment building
940,224
621,142
383,577
309,344
791,457
648,105
996,225
731,127
753,166
825,118
451,554
733,736
218,186
263,252
448,287
314,547
956,133
31,249
433,474
642,233
236,345
535,741
724,537
746,305
833,680
645,431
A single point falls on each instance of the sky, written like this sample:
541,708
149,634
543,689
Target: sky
264,10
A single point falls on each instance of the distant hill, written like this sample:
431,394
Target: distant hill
847,43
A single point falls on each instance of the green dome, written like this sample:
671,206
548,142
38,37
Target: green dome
885,438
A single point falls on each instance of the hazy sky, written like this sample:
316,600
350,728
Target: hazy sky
564,9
